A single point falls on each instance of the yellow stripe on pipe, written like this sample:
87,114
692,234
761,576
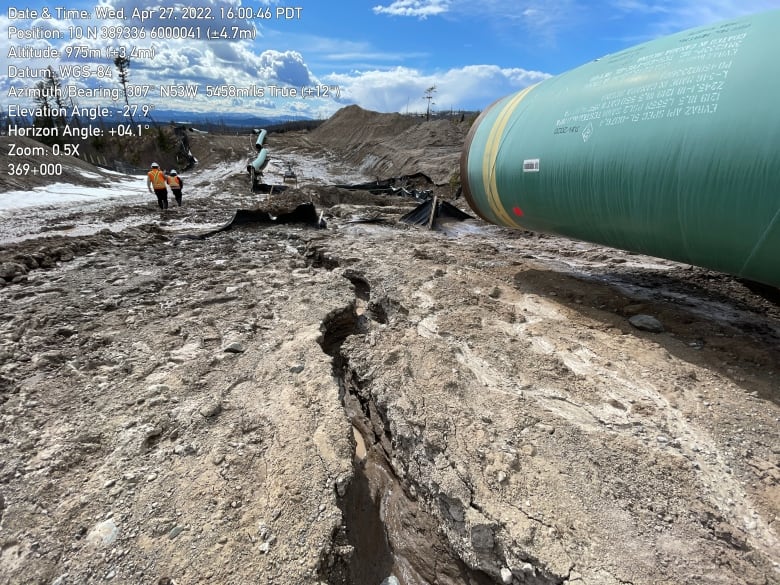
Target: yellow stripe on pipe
491,154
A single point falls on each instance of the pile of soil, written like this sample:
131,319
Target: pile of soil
392,145
352,128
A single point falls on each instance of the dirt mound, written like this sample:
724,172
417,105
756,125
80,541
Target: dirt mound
352,127
386,145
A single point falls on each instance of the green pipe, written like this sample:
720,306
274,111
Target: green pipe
261,161
261,134
670,149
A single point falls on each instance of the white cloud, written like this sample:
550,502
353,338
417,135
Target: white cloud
543,20
417,8
402,89
546,20
287,68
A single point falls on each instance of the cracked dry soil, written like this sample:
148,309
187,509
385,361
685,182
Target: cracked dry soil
373,404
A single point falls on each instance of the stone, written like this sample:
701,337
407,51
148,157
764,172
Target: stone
185,449
103,534
506,576
528,569
48,357
482,538
549,429
157,400
263,531
210,409
9,270
647,323
234,347
175,531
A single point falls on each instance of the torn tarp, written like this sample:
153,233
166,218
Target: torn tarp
404,185
305,213
429,211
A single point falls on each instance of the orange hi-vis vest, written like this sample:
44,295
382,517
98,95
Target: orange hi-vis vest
174,182
157,177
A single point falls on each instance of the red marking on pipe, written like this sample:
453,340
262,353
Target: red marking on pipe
518,212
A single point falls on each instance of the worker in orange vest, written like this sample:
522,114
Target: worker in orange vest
155,182
175,182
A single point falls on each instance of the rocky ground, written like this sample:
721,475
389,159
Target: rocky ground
374,403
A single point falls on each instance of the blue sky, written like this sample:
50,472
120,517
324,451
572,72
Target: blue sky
380,54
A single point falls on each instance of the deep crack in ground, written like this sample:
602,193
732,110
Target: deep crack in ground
387,533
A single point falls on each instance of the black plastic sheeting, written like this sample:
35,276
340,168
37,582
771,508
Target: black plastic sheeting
395,186
305,213
421,215
269,189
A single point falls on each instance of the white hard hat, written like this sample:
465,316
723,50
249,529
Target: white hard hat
155,165
172,172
